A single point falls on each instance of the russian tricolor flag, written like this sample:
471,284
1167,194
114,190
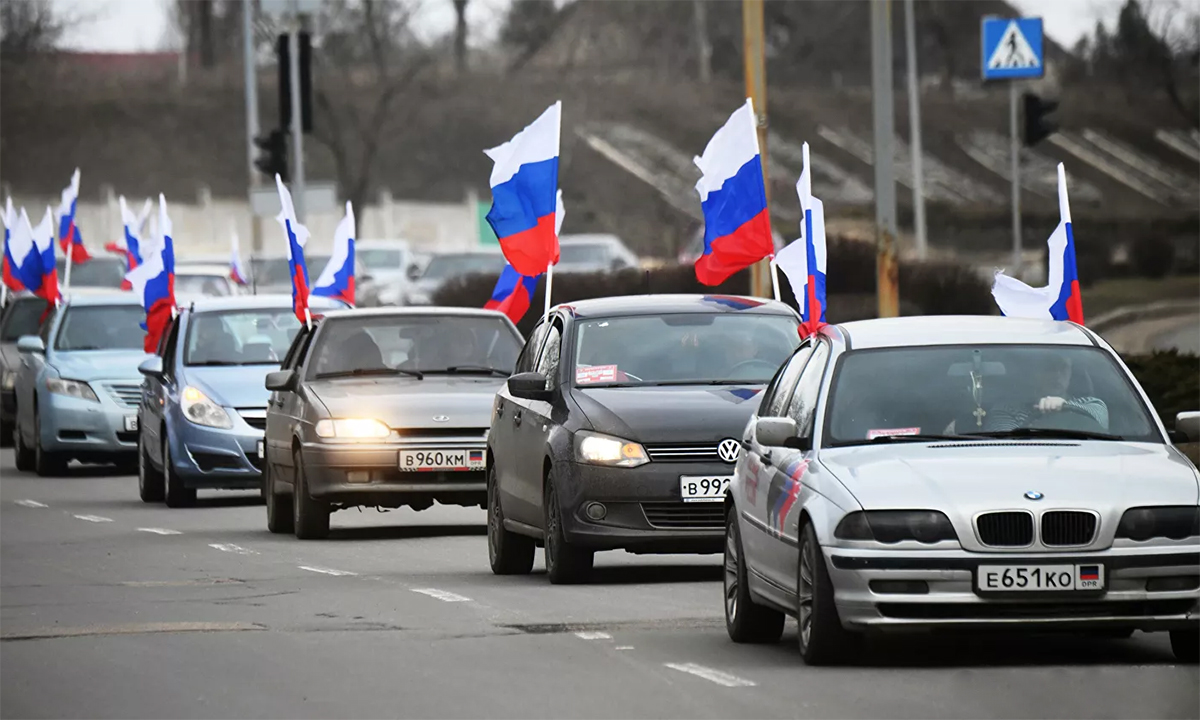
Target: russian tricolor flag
1060,299
130,245
237,271
337,279
296,235
39,269
68,232
524,180
154,281
737,226
8,264
514,292
804,261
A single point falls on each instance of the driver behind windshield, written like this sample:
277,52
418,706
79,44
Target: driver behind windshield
214,342
1048,394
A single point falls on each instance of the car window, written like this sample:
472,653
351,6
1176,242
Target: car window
22,319
550,355
442,267
529,354
240,337
803,404
168,346
99,271
47,325
101,327
295,352
211,285
776,401
379,258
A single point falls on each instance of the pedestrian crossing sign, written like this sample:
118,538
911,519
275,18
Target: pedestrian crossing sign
1012,48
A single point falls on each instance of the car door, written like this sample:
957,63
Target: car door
505,453
792,473
531,426
157,394
32,365
281,411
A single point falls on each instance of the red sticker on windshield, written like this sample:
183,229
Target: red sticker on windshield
889,432
596,374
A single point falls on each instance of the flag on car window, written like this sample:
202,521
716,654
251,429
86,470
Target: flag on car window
39,272
514,292
803,262
8,264
154,280
296,236
69,237
129,247
237,271
337,279
737,225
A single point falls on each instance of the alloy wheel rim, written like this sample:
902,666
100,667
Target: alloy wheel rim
493,522
551,528
731,575
141,468
804,593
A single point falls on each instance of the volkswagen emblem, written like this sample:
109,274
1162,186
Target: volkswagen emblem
729,449
1033,495
440,418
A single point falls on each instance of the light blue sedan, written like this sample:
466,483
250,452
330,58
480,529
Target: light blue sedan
202,416
77,386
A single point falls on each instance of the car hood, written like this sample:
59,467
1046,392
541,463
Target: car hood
406,402
236,387
971,477
99,364
670,414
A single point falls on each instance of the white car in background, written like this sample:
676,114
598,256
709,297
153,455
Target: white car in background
445,267
593,253
209,280
384,269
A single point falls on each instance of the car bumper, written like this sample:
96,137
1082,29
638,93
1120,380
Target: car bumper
205,457
85,429
369,474
643,509
1137,590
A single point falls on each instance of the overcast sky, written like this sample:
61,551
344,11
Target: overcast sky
140,25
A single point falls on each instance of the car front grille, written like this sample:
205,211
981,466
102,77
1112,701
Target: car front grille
124,394
683,452
1005,529
254,417
1068,528
680,515
1021,610
442,432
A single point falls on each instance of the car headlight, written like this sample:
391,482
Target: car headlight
596,449
1174,523
893,526
352,429
9,380
198,408
71,388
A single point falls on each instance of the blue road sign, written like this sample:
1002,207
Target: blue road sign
1012,48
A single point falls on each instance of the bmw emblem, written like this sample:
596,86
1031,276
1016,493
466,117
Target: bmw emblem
1034,495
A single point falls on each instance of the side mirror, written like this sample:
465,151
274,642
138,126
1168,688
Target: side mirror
413,272
152,367
281,380
529,386
31,344
774,431
1187,424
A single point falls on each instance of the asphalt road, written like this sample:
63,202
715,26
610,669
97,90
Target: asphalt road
1184,336
113,608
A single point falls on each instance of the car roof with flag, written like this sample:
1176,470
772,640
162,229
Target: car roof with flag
270,301
674,304
958,330
416,310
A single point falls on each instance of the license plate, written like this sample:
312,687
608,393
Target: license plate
131,423
1039,578
701,488
441,460
262,449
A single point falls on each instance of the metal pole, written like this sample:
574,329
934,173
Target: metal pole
1015,145
914,130
252,129
297,131
887,270
703,46
756,90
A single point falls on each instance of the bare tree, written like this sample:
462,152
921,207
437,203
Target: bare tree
209,30
460,35
1176,28
30,26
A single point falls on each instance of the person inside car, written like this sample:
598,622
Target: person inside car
1050,394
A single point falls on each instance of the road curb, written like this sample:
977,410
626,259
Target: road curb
1149,311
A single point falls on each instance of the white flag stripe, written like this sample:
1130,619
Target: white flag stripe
1017,299
537,142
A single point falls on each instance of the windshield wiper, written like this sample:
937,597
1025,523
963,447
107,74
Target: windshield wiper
1048,433
708,382
916,437
360,372
214,363
473,370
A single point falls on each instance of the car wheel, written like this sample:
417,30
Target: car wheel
309,515
6,433
1186,645
745,620
823,640
176,495
23,454
279,507
508,552
45,463
565,563
150,481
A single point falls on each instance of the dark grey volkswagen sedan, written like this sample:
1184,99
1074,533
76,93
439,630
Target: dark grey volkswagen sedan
621,427
386,408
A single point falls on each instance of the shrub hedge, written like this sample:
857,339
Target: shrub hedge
1171,379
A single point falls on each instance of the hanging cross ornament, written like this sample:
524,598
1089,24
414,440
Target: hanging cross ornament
976,392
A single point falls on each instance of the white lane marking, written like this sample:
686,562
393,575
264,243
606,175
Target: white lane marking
160,531
235,549
93,518
590,635
623,647
442,595
720,678
31,503
326,571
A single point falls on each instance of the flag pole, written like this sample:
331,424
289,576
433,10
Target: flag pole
70,254
549,284
774,277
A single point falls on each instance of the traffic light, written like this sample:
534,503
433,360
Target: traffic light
274,159
1037,126
283,53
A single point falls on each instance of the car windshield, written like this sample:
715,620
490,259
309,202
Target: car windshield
682,349
274,271
583,253
987,390
415,344
101,327
105,272
240,337
215,285
23,318
443,267
379,258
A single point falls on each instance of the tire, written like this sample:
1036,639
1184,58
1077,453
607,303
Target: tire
309,515
822,639
45,463
508,552
745,620
566,564
150,481
176,495
1186,645
22,454
6,433
279,507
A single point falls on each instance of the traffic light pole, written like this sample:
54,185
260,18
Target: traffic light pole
1015,146
756,89
298,189
251,115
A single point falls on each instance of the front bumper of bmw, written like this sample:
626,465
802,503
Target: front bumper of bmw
1146,588
220,458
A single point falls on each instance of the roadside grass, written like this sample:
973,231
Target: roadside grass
1108,295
